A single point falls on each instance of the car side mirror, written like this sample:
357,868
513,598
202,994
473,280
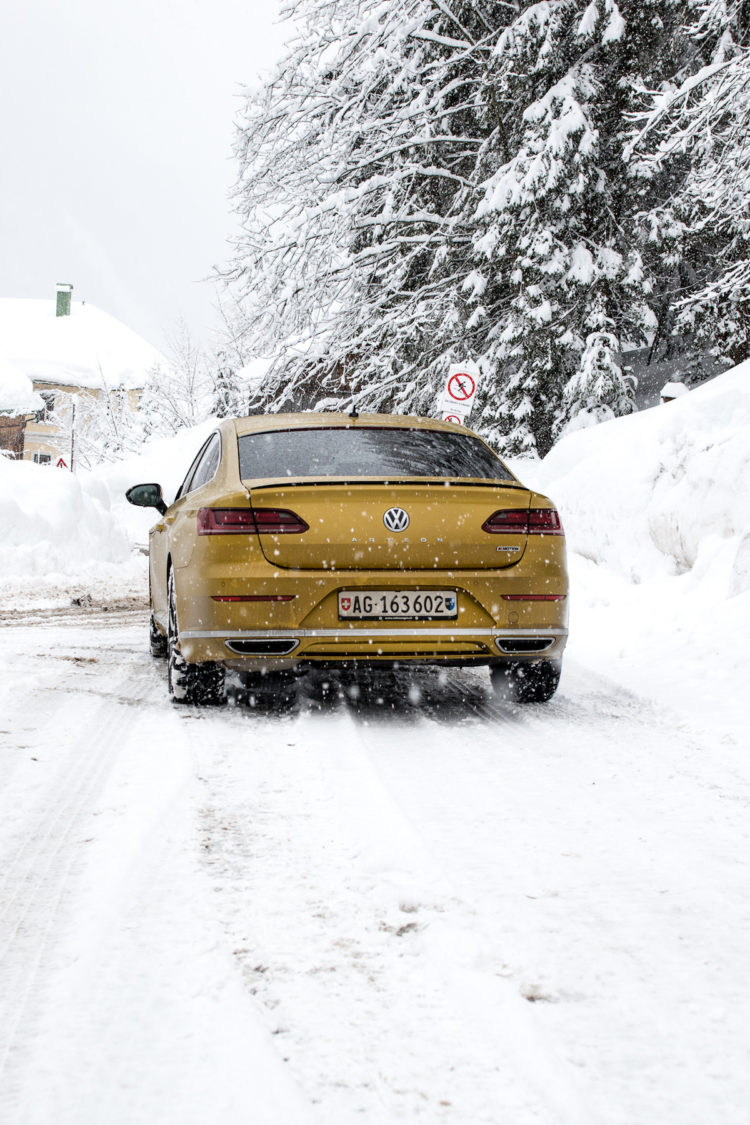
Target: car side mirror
147,496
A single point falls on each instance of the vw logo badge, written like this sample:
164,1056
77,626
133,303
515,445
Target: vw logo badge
396,519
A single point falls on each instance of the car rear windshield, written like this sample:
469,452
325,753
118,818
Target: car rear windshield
363,452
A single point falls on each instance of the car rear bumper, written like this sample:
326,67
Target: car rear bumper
285,648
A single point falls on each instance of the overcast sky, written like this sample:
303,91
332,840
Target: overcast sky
116,131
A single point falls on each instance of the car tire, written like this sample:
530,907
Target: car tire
526,683
157,642
201,684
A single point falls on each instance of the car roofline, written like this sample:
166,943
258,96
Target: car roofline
260,423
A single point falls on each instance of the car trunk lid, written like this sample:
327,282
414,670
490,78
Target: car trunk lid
437,525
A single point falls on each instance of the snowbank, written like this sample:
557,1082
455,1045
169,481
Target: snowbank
66,534
52,527
57,524
656,508
650,494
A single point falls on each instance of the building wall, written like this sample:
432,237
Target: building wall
49,440
11,433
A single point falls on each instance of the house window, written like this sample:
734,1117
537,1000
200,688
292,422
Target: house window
48,409
42,458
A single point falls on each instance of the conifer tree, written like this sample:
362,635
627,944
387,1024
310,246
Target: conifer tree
228,397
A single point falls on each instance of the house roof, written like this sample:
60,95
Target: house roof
16,391
88,349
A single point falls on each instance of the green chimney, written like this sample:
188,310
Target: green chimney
63,298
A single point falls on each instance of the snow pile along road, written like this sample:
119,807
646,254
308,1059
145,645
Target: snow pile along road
652,493
656,509
66,533
52,527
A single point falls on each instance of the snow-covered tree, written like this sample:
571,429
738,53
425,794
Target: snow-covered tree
92,427
357,186
599,387
178,391
443,180
561,263
696,133
228,396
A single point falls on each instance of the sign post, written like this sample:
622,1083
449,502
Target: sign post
458,394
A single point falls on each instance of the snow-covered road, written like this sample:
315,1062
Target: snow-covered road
447,911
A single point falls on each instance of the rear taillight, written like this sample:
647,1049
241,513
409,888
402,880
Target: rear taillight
544,521
514,521
524,521
241,521
278,521
225,521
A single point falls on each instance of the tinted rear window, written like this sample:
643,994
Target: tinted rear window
363,452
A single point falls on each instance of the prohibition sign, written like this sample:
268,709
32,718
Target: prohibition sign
461,386
453,418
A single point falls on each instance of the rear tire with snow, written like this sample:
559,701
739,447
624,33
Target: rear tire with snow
526,683
190,683
157,642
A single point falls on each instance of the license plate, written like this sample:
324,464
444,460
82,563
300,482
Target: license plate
398,605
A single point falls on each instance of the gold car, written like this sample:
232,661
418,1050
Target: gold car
304,540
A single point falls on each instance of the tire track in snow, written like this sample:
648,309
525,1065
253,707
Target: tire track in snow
77,745
116,1003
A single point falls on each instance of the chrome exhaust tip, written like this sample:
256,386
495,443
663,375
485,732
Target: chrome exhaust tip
261,647
519,646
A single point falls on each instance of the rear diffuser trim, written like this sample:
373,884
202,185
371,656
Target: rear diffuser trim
355,632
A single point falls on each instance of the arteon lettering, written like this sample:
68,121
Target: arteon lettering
401,539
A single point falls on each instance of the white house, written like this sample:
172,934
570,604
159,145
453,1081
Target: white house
57,357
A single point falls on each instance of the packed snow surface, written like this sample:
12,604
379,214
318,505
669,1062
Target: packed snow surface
414,904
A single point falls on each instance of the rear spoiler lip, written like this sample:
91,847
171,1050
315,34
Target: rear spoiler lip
439,482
